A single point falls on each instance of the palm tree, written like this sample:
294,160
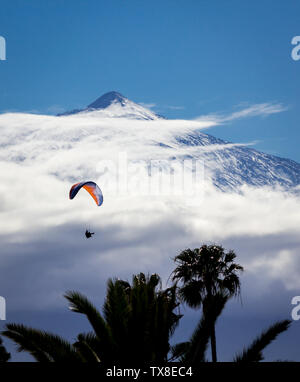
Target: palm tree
136,324
137,320
204,273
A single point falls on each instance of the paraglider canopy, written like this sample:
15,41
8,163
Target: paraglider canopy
91,187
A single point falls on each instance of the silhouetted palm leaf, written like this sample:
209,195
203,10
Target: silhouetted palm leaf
88,345
254,352
179,350
43,346
80,304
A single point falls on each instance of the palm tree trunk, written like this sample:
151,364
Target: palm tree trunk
213,344
209,301
213,332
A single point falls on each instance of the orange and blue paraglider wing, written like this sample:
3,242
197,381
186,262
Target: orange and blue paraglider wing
92,188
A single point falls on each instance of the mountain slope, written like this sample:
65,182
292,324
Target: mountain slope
230,166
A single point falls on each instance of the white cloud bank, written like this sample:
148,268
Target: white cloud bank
43,249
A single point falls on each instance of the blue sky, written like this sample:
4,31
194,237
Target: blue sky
199,56
186,58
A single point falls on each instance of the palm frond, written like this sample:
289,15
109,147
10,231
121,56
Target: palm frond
254,352
80,304
87,345
192,293
116,308
43,346
179,350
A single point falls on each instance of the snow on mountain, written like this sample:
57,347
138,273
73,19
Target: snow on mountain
230,166
70,147
114,105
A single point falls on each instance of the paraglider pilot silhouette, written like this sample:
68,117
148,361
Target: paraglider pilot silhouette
94,190
88,234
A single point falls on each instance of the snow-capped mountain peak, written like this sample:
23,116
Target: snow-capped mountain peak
107,99
115,105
